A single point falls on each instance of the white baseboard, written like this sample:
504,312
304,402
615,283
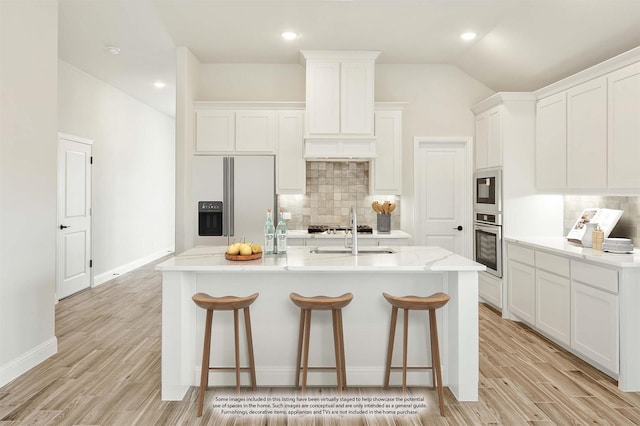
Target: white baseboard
27,361
114,273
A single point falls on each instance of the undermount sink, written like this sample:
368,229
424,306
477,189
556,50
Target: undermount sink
347,250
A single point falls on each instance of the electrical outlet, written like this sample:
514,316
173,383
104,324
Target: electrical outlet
286,215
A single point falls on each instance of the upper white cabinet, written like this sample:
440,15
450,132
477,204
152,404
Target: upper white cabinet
339,94
386,168
290,164
587,135
624,128
489,138
551,142
229,131
256,131
215,131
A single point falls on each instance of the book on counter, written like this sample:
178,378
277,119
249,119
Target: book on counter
605,218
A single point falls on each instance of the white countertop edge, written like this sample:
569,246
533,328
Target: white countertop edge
561,246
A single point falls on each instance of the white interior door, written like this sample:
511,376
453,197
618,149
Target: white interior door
74,215
442,183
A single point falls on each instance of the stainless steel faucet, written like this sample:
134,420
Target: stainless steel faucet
354,230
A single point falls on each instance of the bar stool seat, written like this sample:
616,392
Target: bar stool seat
321,303
225,303
407,303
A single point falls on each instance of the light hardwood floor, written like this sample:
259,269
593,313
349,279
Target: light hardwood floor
107,372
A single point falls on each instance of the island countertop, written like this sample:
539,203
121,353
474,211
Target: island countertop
404,258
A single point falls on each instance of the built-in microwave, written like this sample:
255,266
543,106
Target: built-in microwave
487,190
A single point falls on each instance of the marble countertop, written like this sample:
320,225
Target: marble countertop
298,233
561,246
405,259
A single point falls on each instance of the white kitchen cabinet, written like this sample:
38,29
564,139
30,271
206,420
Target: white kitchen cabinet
215,131
290,163
490,289
521,278
489,138
386,168
256,131
323,97
551,142
594,325
553,305
587,135
339,93
235,131
624,127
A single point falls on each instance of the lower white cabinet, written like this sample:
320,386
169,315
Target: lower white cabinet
594,314
553,305
490,289
522,290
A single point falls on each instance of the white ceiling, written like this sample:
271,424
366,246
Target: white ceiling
522,45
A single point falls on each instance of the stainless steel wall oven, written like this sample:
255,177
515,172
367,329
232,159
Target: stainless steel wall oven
488,241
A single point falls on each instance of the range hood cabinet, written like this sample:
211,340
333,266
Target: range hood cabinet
339,121
339,149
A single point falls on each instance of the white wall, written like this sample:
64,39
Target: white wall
439,99
133,171
28,140
251,82
187,84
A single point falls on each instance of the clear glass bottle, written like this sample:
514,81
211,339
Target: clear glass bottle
269,234
281,235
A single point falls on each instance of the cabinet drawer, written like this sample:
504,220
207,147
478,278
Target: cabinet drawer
595,276
521,254
554,264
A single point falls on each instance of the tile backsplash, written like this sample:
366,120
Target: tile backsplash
627,227
332,188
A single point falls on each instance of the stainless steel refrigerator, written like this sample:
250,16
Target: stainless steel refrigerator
240,189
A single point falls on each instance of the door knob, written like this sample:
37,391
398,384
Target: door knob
64,226
459,228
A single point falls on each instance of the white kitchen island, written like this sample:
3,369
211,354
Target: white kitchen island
275,319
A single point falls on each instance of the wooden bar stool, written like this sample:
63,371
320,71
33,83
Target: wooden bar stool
323,303
226,303
430,303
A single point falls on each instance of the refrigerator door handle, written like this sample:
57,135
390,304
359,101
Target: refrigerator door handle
225,195
231,197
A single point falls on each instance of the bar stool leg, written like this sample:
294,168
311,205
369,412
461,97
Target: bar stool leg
252,364
307,332
392,336
343,363
404,350
206,352
300,339
236,336
336,348
435,355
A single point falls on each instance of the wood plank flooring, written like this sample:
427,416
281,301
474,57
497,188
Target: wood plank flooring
107,372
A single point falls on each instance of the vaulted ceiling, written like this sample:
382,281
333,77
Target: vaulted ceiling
522,45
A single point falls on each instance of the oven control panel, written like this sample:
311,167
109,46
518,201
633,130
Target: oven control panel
490,218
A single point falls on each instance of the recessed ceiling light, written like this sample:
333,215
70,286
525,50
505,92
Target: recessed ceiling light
113,50
289,35
160,84
468,36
